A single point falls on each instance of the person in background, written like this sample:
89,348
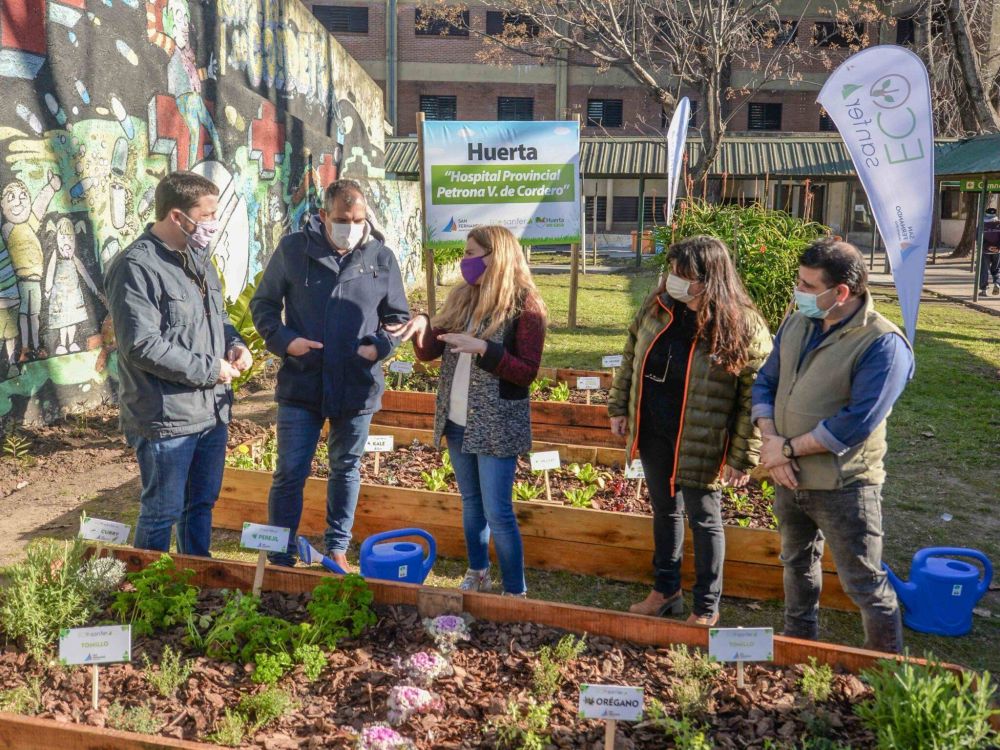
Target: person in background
682,397
991,253
821,401
322,305
489,333
177,354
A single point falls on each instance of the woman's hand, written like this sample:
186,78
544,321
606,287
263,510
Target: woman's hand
619,425
463,343
734,477
416,326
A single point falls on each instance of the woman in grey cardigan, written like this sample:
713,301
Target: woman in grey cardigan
489,333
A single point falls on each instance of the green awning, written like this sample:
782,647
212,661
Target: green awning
817,156
974,157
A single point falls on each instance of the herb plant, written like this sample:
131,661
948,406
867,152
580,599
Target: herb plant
172,673
817,681
162,598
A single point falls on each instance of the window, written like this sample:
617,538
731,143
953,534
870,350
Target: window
836,34
515,108
427,24
342,19
826,123
906,31
777,32
496,20
439,107
652,209
604,113
952,204
692,120
625,208
762,116
602,208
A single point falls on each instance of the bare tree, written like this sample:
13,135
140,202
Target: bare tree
669,46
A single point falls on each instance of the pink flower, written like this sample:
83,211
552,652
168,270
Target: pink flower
424,667
405,701
447,631
382,737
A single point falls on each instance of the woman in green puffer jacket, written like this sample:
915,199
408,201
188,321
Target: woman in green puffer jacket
682,397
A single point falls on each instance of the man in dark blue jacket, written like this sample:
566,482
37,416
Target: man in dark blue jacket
338,286
177,354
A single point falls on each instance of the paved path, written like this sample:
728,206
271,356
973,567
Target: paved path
947,278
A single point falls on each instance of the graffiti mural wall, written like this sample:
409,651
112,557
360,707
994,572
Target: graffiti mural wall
104,97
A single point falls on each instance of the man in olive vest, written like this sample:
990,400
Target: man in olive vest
821,402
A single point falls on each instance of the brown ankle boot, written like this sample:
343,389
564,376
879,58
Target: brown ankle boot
704,621
658,605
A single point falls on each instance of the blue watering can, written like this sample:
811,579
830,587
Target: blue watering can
395,561
942,591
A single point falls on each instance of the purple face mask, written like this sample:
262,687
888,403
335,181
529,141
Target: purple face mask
203,232
472,269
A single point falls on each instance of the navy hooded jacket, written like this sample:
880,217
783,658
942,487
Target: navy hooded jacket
341,304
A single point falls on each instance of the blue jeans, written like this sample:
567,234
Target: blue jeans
298,433
181,479
487,485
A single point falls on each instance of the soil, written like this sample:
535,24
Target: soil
494,667
407,465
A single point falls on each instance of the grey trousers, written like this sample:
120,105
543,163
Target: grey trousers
850,519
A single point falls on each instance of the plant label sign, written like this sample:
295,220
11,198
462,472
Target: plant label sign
103,645
379,444
588,384
261,537
611,702
406,368
741,644
545,461
634,470
106,532
611,360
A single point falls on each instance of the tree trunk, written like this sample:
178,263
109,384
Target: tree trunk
969,66
968,242
712,130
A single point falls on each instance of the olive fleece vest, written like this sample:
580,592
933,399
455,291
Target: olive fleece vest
820,388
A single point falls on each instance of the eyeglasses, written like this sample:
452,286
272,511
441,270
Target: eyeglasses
662,378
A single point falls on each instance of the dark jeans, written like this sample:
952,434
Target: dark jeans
181,479
991,267
851,520
487,485
298,433
704,511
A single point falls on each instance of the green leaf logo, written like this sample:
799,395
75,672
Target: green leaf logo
848,89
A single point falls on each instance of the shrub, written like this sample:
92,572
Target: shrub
139,719
523,729
24,699
928,707
173,672
765,246
817,681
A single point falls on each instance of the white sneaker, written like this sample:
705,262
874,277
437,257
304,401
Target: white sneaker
996,289
476,580
522,595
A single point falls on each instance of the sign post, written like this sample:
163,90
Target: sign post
400,368
614,361
545,461
740,645
611,704
588,384
107,644
264,539
378,444
103,532
634,470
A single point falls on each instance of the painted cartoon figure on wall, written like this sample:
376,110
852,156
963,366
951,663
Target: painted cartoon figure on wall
21,220
9,302
67,308
184,77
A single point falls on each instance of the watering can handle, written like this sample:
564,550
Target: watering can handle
371,541
984,584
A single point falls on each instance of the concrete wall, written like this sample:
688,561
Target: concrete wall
101,99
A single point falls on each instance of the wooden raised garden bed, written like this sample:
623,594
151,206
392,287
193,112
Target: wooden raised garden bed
613,545
495,661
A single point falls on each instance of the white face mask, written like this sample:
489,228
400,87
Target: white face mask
679,288
345,236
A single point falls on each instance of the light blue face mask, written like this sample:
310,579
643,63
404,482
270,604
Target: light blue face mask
807,305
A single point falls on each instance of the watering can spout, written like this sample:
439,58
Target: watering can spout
905,590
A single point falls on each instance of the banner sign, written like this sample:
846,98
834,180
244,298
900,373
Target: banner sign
976,186
880,101
676,143
521,175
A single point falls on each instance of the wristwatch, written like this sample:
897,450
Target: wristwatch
786,449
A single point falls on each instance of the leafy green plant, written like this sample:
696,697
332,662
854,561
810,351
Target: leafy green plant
270,667
265,707
772,518
581,497
139,719
447,465
230,729
589,475
17,448
162,598
241,458
817,681
312,659
46,593
339,608
173,672
694,675
526,491
928,707
523,728
740,500
435,480
547,676
24,699
767,491
241,633
539,386
559,392
239,315
686,733
765,246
